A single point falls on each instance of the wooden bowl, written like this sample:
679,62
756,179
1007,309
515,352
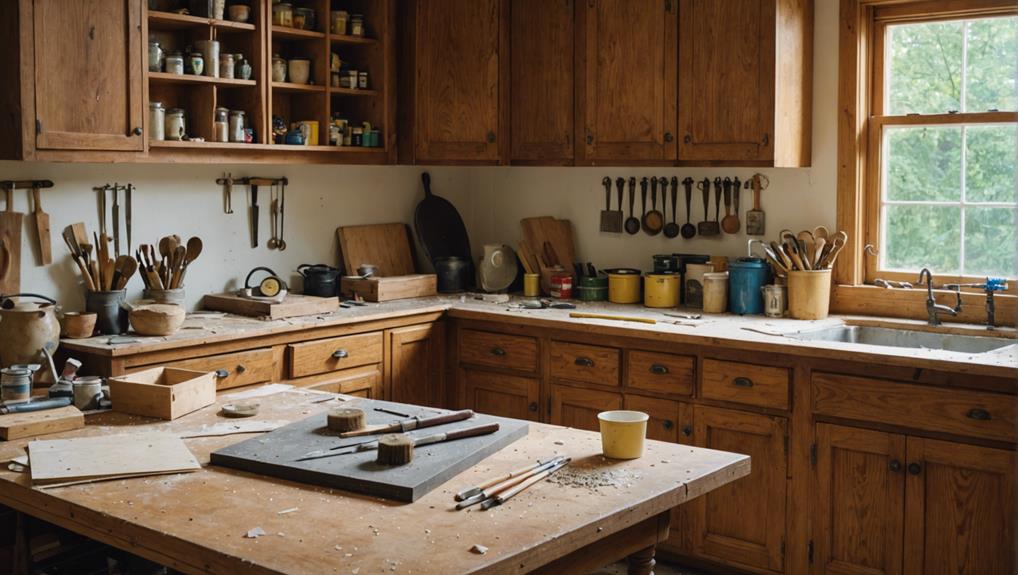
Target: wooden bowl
77,325
157,319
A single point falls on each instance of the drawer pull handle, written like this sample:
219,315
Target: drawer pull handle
668,424
340,354
742,382
658,369
241,369
915,468
687,431
584,362
895,465
532,407
222,373
498,352
979,414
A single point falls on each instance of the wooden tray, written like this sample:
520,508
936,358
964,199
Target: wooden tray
30,424
292,306
274,454
390,288
163,392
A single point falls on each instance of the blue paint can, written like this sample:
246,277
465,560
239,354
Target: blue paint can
746,277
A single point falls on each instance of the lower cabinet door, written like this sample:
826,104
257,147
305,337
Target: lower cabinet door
416,360
959,509
743,523
360,382
578,407
860,501
501,394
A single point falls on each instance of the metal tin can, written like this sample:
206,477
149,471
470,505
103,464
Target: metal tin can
774,300
624,285
661,290
531,285
15,384
562,286
746,278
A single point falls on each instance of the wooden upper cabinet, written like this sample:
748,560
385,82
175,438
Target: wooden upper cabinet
626,81
457,88
542,37
88,74
745,81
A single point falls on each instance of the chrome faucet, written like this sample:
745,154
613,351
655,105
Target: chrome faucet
933,309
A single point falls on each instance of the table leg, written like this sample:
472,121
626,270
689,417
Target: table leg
642,562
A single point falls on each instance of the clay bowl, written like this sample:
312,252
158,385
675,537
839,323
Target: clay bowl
157,319
77,325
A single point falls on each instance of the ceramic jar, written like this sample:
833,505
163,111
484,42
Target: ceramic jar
175,63
26,329
242,67
210,51
175,128
278,69
299,70
226,65
196,63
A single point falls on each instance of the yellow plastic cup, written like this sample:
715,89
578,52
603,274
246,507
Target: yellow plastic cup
623,433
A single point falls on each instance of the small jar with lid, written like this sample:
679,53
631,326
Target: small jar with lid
278,69
242,68
156,121
339,20
362,80
155,57
356,24
196,63
175,127
357,137
237,125
222,126
282,14
175,63
226,66
304,18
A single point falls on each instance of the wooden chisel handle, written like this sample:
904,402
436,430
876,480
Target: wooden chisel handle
457,434
413,423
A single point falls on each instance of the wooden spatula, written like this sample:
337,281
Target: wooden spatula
42,228
10,231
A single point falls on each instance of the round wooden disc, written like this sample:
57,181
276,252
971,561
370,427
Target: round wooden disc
395,449
345,419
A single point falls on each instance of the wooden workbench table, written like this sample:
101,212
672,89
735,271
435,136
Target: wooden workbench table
196,522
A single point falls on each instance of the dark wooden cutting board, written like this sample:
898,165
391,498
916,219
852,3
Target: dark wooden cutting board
274,453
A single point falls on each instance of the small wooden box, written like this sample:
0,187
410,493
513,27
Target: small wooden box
390,287
163,392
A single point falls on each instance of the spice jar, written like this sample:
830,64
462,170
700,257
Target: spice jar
357,137
196,63
334,79
242,67
339,20
222,127
15,385
175,124
236,125
362,80
226,63
155,57
304,18
357,25
278,69
282,14
175,63
561,286
156,121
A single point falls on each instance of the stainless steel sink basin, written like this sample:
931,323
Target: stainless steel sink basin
889,337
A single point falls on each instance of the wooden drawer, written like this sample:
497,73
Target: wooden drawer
498,350
334,354
233,369
955,411
360,382
586,363
746,383
660,372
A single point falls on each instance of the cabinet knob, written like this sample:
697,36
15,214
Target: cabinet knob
658,369
895,465
584,362
136,131
491,137
222,374
979,414
497,351
766,139
668,424
687,431
340,354
688,139
915,468
669,137
532,407
742,382
590,139
241,368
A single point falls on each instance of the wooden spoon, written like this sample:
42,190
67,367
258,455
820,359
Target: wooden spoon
194,247
179,255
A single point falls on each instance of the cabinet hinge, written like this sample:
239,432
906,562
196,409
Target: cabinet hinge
813,455
809,551
38,126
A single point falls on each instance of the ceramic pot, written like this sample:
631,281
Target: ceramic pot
157,319
299,70
26,328
77,325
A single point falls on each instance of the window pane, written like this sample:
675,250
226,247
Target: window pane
992,64
925,68
990,156
923,236
923,163
990,242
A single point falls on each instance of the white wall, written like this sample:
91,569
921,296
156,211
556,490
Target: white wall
185,200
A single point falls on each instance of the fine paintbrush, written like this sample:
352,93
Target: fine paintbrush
510,493
504,483
471,491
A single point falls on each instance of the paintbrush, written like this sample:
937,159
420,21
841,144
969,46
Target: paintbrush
505,482
512,492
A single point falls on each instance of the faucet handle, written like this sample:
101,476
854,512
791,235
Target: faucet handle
995,284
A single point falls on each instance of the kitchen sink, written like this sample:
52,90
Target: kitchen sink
889,337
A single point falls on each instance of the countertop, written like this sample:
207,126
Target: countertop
757,333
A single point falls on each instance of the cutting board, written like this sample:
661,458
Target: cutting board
82,459
557,233
10,247
385,246
390,288
18,425
273,454
293,305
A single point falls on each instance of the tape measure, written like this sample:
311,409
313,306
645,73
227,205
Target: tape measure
270,288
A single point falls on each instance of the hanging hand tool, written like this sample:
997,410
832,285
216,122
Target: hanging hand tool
730,223
254,215
102,206
116,219
127,197
41,225
707,227
418,441
273,242
412,423
227,182
281,245
755,218
632,224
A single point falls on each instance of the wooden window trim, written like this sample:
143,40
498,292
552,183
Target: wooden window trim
857,133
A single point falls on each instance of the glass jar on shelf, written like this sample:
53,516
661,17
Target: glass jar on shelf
282,14
155,57
339,20
226,66
175,63
156,121
356,24
175,126
222,126
196,63
237,125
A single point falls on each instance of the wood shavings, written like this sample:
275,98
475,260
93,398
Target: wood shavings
285,511
594,479
254,533
479,549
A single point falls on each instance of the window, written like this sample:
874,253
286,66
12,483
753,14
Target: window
942,187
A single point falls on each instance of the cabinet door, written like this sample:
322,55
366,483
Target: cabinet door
415,361
88,74
542,81
501,394
743,523
458,49
860,501
726,79
361,382
578,407
626,70
959,509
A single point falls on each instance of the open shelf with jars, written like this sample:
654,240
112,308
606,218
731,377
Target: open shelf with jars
318,80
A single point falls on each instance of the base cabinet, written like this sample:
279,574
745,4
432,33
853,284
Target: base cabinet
502,395
578,407
415,357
